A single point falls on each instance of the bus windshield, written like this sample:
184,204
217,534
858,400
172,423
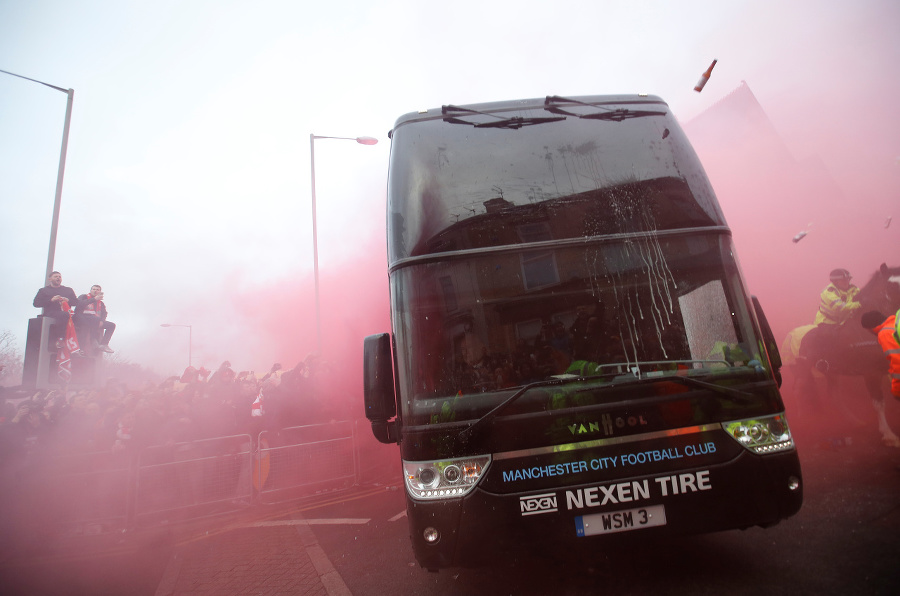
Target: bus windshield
570,177
473,330
595,248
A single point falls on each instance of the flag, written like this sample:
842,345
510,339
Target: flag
257,408
64,353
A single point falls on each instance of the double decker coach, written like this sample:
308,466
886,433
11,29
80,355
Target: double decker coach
573,352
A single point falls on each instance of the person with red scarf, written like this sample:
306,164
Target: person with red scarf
51,298
90,320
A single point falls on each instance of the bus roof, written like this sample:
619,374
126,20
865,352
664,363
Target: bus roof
528,104
544,170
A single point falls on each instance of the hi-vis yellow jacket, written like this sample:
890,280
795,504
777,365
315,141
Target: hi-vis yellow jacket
836,306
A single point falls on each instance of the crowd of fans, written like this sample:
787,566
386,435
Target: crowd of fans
197,405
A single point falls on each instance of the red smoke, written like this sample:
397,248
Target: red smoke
278,319
769,196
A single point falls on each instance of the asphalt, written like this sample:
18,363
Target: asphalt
257,549
272,556
267,550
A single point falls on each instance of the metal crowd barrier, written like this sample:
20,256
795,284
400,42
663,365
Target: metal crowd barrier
193,479
109,491
294,461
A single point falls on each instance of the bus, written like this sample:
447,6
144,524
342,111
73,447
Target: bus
574,358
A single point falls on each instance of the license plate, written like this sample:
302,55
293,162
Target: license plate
620,521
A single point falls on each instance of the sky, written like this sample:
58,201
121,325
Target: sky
187,189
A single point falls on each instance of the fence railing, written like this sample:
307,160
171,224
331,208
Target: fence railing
192,479
111,491
296,460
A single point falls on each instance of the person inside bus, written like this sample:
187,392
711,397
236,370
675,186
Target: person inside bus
560,338
587,345
579,331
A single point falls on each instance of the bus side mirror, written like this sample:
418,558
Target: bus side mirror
378,387
768,339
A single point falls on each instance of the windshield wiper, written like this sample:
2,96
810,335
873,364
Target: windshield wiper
741,397
616,115
515,122
452,108
621,114
466,434
684,380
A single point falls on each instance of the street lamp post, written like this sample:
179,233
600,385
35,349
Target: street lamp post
62,168
312,165
190,339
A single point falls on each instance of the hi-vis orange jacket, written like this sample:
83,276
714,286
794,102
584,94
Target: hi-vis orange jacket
891,348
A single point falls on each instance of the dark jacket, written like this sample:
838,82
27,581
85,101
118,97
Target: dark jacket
43,298
86,299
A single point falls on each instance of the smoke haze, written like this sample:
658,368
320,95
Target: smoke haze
187,185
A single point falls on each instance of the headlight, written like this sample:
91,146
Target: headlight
449,478
761,435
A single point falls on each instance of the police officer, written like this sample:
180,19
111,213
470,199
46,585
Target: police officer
838,301
885,329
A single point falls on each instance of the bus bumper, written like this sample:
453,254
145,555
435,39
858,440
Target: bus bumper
748,491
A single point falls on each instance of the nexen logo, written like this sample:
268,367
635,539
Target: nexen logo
537,504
